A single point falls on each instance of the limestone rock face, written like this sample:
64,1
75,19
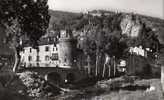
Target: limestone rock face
130,27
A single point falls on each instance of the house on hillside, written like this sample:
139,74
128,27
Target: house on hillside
138,61
138,51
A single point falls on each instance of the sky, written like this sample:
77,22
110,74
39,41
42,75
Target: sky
154,8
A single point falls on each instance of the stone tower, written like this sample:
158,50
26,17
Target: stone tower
67,50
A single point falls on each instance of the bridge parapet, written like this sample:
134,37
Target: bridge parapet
58,75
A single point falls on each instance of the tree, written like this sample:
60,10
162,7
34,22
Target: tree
23,18
99,32
161,61
100,44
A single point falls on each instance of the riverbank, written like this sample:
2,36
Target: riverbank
145,89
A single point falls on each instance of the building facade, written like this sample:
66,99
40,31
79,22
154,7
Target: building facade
51,53
47,56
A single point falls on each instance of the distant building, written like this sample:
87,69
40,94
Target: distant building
138,51
99,13
138,61
121,67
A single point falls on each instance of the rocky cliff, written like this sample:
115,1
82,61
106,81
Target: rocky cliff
131,27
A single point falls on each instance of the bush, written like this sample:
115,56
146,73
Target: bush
33,83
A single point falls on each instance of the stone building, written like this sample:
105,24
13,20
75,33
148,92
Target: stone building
51,52
46,57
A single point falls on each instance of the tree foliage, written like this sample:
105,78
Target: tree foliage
30,16
23,18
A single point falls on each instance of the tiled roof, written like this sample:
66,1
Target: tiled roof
50,38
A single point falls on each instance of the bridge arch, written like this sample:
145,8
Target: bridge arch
54,77
70,77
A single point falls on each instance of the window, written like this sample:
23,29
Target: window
54,56
38,50
37,58
46,58
23,50
55,44
55,48
37,64
46,48
65,60
29,58
30,65
30,50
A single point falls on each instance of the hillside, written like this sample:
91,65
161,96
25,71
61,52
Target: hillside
79,21
57,16
60,17
111,32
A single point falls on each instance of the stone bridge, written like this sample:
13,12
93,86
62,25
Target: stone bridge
58,75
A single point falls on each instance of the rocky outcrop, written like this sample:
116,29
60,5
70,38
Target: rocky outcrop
130,26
